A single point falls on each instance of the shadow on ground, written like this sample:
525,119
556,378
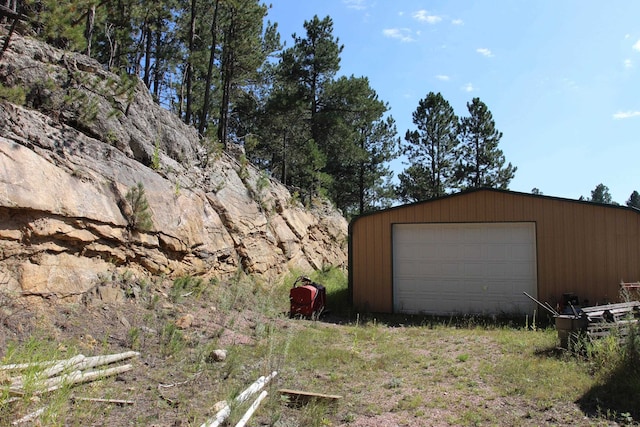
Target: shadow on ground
616,398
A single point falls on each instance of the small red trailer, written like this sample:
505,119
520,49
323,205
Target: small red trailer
307,298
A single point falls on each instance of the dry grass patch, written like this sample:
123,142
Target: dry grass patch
390,370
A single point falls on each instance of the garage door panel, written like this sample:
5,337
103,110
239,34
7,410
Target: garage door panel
480,268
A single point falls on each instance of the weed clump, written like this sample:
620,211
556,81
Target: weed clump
186,286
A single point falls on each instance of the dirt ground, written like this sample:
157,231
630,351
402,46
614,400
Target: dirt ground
181,387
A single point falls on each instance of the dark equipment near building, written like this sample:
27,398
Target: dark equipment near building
307,298
574,322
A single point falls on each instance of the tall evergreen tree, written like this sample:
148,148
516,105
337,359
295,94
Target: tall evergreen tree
60,23
242,56
601,194
431,150
283,134
191,53
358,142
301,76
312,62
415,183
206,102
249,107
193,35
382,145
482,163
634,200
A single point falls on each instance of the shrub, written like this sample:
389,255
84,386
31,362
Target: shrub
15,94
187,285
140,215
155,158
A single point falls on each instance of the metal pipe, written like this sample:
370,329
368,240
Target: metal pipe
550,310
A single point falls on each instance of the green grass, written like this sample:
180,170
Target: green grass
403,370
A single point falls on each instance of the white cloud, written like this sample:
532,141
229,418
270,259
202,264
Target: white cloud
468,87
355,4
628,63
626,115
484,52
423,16
457,22
402,34
443,77
636,46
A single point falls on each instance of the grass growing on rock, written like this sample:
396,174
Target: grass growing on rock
390,370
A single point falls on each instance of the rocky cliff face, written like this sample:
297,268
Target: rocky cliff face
72,154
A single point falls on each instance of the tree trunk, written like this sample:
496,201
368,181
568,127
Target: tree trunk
207,87
147,57
192,37
157,68
227,77
88,32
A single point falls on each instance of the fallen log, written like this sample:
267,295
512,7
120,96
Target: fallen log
224,413
50,372
93,361
79,377
59,367
247,415
23,366
75,377
90,362
29,417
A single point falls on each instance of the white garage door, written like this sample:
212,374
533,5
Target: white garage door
471,268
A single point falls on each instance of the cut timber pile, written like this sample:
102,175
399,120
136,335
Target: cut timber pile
70,371
598,321
58,373
605,319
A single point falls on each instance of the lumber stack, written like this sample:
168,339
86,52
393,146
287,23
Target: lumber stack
57,373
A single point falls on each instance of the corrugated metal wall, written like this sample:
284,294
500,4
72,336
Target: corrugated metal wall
584,248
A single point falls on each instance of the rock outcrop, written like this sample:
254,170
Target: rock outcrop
73,152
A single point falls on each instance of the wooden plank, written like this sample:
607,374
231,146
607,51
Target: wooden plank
604,329
619,306
299,397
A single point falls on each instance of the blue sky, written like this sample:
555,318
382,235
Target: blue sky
561,77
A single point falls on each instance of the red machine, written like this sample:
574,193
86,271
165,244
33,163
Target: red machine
307,298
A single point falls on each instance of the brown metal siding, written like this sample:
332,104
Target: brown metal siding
582,247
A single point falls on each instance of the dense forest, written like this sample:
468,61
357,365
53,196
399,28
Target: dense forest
221,66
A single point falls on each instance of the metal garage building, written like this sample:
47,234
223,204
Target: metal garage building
476,252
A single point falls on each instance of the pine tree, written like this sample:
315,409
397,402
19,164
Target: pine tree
431,150
242,56
415,184
482,163
634,200
311,63
601,194
292,113
359,141
60,22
